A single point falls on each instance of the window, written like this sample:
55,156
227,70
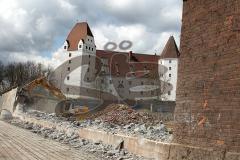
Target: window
91,40
129,92
87,79
89,62
68,68
67,89
141,83
170,61
80,46
169,84
92,49
130,82
88,70
141,92
170,75
170,68
68,77
70,61
89,56
86,47
70,54
89,48
65,47
169,93
102,81
110,81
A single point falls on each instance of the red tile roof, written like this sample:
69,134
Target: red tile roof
120,65
170,50
79,31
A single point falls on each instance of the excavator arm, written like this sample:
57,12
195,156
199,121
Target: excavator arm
42,81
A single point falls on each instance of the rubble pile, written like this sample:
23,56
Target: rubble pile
122,115
71,138
118,120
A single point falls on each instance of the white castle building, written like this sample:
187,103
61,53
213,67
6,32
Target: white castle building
88,72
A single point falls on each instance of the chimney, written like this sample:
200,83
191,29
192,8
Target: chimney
130,55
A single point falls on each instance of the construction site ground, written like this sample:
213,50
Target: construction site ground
20,144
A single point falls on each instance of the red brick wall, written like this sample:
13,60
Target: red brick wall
208,91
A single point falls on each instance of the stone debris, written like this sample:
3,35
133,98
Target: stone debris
122,114
116,119
148,129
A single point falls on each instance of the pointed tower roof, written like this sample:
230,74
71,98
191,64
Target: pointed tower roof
79,31
170,50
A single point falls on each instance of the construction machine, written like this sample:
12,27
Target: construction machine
64,107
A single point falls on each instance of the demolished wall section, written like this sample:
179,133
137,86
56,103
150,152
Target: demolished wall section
8,100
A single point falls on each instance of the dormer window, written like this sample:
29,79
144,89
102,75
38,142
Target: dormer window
65,47
80,46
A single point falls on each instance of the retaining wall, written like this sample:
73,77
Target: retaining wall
145,147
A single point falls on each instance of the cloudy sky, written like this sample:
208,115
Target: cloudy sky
36,29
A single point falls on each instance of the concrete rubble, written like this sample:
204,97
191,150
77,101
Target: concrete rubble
133,126
143,128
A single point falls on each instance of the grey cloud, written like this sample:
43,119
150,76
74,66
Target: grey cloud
36,24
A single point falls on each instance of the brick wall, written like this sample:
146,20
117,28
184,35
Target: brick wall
208,91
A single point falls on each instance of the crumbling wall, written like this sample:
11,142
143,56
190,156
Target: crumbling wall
208,91
8,100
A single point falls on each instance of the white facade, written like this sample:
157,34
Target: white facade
170,77
83,74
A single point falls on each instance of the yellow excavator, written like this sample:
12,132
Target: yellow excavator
65,105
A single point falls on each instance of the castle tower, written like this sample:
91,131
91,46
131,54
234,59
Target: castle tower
169,58
208,89
78,70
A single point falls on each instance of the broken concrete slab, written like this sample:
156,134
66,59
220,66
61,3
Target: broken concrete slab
8,100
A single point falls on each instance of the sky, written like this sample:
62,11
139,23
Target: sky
35,30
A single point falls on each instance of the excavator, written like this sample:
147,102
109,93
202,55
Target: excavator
65,107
